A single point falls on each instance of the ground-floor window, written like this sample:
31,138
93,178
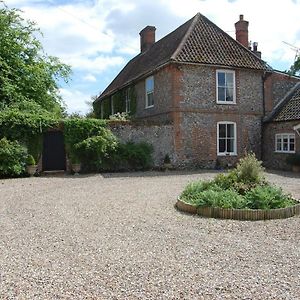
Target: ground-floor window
226,140
285,142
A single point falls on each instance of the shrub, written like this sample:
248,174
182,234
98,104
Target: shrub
30,161
92,150
193,190
12,158
129,156
226,181
267,197
249,170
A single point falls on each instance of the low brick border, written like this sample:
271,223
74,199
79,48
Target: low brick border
239,214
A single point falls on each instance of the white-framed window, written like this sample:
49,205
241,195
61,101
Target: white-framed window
285,142
226,138
149,85
225,80
127,100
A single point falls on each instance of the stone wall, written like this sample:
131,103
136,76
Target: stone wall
199,115
272,159
159,136
163,96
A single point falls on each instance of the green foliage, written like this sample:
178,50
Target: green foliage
93,149
27,74
206,193
293,159
88,140
129,156
12,158
295,68
22,125
249,170
267,197
243,187
30,161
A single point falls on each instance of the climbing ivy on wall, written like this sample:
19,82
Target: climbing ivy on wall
119,104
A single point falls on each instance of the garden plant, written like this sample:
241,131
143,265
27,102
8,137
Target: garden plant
241,188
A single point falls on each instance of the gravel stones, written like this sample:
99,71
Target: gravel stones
118,236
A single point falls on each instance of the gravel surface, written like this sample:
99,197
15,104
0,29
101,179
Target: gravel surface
118,236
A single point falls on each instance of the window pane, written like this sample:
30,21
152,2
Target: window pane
150,99
230,130
221,94
229,94
222,130
278,145
230,145
149,84
229,80
221,79
285,145
292,147
222,145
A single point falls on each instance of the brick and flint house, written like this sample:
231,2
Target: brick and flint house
205,97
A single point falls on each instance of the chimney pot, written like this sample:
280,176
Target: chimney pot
147,37
241,31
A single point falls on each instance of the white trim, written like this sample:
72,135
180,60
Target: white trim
127,101
234,153
149,92
234,87
281,142
297,129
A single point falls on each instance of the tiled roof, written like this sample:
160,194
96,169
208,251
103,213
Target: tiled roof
196,41
290,108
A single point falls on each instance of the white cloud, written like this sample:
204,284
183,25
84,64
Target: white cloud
75,100
89,78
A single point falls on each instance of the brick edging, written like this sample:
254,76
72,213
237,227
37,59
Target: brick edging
239,214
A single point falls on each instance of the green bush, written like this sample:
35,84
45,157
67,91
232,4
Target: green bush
249,170
129,156
30,161
243,187
12,158
267,197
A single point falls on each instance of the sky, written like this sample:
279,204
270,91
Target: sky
98,37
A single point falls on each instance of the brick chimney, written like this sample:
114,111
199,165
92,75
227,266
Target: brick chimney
241,31
147,37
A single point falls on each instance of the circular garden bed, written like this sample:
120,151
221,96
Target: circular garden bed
241,194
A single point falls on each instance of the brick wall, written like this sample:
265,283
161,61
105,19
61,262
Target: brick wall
272,159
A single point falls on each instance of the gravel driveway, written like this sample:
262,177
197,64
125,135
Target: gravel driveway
118,236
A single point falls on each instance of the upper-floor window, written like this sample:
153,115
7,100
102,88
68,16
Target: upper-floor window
149,92
127,101
226,140
285,142
225,87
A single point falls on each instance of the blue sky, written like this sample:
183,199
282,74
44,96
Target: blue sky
98,37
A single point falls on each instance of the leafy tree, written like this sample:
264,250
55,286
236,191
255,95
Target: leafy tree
295,68
27,73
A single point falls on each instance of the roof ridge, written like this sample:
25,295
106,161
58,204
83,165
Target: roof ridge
186,36
287,97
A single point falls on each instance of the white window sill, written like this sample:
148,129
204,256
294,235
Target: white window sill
227,154
226,102
149,106
286,152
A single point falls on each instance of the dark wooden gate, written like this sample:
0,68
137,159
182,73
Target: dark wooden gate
54,155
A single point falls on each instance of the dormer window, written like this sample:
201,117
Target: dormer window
149,92
225,87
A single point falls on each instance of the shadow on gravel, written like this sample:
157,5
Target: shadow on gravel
284,173
158,173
